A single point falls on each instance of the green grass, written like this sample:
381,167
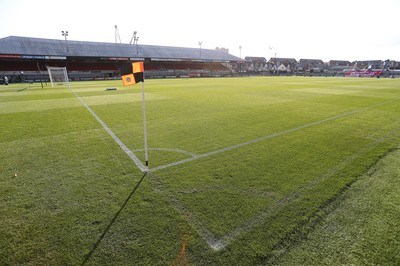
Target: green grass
360,227
258,162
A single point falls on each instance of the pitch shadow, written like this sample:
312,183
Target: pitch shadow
89,255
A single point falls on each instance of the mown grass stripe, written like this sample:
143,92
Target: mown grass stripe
196,157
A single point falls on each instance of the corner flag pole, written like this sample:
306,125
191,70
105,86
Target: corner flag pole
145,127
131,74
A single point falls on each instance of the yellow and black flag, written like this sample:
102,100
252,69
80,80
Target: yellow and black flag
132,73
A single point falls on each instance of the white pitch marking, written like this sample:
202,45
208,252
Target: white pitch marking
195,157
213,242
133,157
169,149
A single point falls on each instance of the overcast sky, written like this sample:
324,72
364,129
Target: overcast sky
313,29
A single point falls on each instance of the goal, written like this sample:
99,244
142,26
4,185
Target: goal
58,76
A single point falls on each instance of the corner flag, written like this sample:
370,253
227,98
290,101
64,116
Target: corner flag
132,73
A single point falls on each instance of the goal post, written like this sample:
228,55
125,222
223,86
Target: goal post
58,75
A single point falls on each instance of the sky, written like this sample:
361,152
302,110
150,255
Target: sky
309,29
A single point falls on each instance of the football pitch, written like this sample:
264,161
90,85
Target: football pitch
237,166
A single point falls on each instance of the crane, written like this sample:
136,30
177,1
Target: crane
117,37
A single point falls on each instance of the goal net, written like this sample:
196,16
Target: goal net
58,76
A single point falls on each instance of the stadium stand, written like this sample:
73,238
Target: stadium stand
25,59
94,60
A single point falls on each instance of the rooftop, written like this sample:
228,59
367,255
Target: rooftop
14,45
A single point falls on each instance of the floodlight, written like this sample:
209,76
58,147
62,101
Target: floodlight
65,34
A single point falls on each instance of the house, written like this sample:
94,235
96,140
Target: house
314,65
254,63
335,63
339,65
282,64
367,64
